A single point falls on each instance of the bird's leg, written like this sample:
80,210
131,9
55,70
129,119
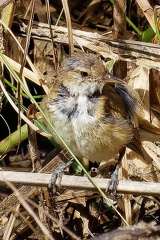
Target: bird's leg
112,187
56,176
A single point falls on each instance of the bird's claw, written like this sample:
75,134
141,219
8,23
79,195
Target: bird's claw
112,187
55,180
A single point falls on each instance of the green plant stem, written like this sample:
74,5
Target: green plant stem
11,141
59,17
134,26
38,123
23,94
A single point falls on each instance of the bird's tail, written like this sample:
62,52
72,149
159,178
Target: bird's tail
148,132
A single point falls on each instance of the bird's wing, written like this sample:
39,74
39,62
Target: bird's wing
120,103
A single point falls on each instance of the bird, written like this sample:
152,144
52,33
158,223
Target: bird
96,113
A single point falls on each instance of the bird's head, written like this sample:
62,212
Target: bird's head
85,74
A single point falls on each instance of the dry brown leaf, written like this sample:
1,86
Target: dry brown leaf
139,80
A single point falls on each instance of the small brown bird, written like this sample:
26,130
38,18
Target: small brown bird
95,113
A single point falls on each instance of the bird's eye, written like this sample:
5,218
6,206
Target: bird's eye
84,74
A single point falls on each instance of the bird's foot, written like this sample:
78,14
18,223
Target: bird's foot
112,187
55,180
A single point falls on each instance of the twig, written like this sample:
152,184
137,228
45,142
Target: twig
132,51
119,18
11,201
76,182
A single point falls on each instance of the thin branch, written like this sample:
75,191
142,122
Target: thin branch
77,182
119,18
131,51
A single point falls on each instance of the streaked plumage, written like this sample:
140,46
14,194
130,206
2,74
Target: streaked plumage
95,116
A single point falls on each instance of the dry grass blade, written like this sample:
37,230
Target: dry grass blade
27,38
89,11
16,109
26,72
9,228
55,220
23,63
55,62
4,3
69,26
148,12
34,127
6,147
37,74
126,197
30,211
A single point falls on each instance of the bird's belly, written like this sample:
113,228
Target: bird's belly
82,139
99,142
86,134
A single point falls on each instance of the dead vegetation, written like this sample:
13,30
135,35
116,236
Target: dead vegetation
30,210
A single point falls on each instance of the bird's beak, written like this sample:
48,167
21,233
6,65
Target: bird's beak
113,79
107,78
